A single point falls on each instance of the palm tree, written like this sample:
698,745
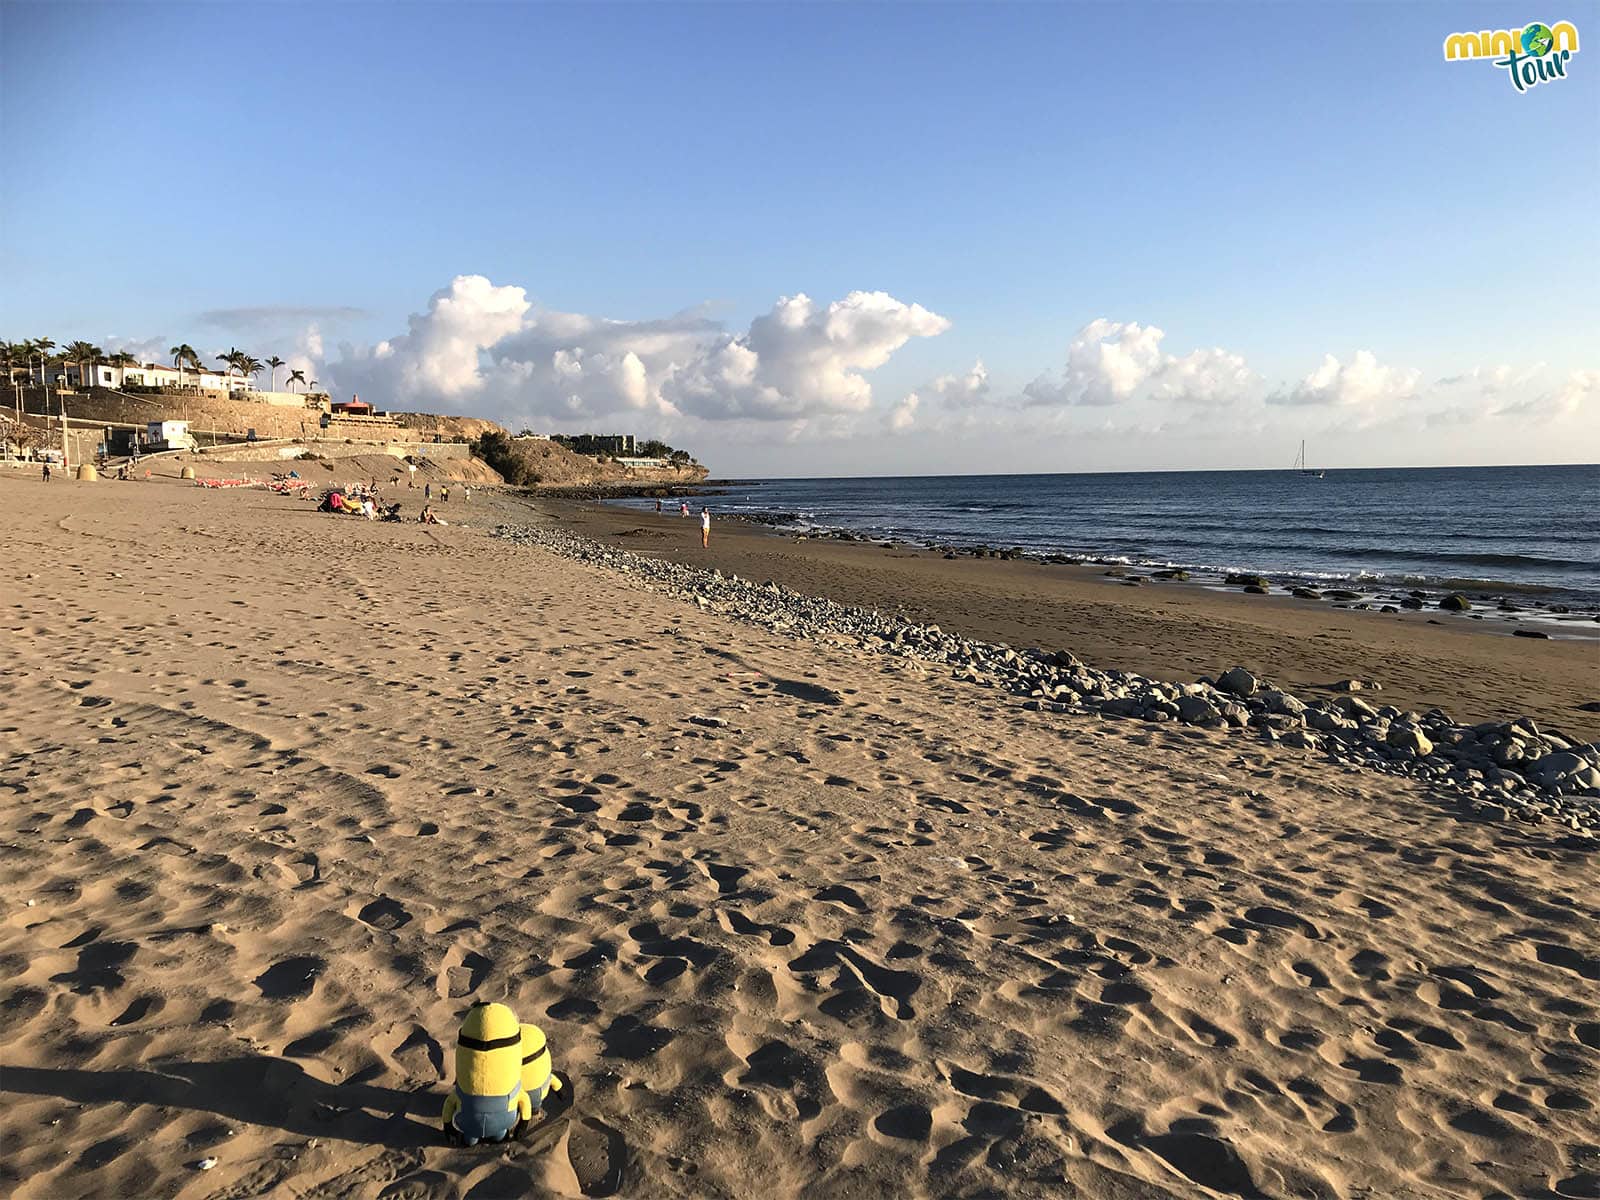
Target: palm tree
182,356
275,362
41,347
250,366
82,352
124,360
295,376
234,359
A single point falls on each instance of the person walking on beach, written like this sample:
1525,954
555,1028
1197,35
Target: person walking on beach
427,492
47,471
705,529
658,508
683,508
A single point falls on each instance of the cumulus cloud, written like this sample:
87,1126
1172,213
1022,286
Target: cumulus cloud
488,347
800,359
439,358
971,388
904,414
1363,382
146,350
1109,362
1579,389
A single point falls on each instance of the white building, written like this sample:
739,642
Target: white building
141,375
168,435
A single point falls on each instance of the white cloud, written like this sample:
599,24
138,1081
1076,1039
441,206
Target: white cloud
904,414
1491,381
1362,382
488,348
1577,390
1109,362
800,360
438,360
146,350
971,388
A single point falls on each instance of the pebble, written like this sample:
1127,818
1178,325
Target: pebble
1532,776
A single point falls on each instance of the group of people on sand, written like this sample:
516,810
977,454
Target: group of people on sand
705,521
350,503
444,492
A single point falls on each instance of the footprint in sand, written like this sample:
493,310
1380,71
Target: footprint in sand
592,1161
291,979
384,913
463,973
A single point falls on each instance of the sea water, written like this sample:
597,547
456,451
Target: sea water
1530,532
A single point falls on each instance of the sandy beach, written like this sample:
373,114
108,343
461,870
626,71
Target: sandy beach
284,792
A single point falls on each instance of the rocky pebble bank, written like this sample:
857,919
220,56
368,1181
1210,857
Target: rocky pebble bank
1497,770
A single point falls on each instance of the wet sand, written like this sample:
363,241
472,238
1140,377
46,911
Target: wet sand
1473,670
283,792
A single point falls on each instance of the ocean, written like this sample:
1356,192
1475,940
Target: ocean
1529,532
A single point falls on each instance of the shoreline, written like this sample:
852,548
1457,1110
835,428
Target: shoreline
1557,610
1170,630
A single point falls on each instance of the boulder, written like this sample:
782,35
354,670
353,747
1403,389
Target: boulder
1354,706
1237,682
1282,702
1197,710
1557,766
1409,739
1236,715
1455,602
1127,706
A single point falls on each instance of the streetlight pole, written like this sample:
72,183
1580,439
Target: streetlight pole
65,454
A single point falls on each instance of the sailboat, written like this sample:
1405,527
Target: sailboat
1300,467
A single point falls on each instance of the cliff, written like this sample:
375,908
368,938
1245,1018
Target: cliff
537,463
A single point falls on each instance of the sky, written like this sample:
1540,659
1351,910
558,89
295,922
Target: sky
828,239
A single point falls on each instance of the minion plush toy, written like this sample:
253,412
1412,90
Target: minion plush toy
538,1075
488,1103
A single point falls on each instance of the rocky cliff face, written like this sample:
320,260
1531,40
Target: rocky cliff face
550,464
450,429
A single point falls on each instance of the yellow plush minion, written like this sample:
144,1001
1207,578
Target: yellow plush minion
538,1074
488,1103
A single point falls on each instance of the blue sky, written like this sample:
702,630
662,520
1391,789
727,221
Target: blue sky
1282,183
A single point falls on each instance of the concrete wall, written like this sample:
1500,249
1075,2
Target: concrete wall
206,412
325,448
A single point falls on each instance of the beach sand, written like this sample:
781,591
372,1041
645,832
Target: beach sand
1473,670
283,791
